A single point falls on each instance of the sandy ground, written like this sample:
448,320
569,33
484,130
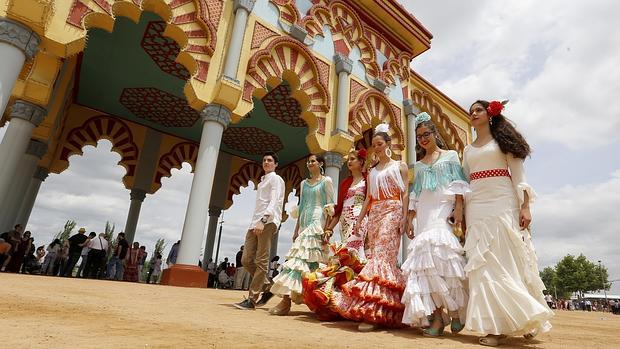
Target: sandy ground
51,312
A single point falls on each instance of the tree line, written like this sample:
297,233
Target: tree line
575,275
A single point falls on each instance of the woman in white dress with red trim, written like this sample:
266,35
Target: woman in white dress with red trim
505,290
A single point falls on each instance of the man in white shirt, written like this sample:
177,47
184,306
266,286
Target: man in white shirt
265,221
549,300
96,256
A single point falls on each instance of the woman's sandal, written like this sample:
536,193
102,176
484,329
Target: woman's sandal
366,327
531,335
456,326
490,340
434,332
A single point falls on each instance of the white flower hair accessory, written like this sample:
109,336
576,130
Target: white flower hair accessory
382,128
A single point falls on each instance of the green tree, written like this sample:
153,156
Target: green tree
109,235
567,274
580,275
549,278
601,279
66,231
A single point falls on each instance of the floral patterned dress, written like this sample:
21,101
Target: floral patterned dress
374,295
322,288
351,208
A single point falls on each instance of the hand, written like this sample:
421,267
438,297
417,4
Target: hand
403,225
525,218
327,235
258,229
410,232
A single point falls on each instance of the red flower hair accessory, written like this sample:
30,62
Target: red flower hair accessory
495,108
362,153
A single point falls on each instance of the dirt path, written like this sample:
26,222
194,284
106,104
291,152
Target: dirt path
51,312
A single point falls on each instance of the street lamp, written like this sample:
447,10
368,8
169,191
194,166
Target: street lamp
219,238
600,270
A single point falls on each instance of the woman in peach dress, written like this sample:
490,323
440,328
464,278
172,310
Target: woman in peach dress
373,297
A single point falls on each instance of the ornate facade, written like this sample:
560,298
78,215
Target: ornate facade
213,83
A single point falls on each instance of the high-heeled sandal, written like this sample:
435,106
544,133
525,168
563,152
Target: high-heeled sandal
531,335
366,327
282,308
491,340
434,332
456,326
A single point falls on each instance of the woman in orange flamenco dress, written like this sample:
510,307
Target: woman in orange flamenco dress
373,296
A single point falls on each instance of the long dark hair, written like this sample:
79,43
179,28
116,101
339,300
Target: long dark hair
421,152
506,135
320,159
55,242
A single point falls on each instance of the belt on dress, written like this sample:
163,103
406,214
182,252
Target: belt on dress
498,172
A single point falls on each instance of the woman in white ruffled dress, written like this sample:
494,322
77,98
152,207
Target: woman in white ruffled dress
434,265
505,290
316,203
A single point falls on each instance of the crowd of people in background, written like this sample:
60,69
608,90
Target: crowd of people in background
81,255
228,275
584,304
92,256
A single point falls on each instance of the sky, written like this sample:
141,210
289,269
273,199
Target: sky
556,62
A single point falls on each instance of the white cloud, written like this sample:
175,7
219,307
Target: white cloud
90,192
556,62
579,219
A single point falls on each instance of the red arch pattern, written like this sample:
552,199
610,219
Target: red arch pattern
103,127
180,153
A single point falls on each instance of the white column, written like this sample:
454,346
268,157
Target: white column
214,217
25,117
12,201
137,197
31,196
17,44
344,66
333,164
242,11
410,111
216,118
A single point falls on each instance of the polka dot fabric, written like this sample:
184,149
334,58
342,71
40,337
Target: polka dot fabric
498,172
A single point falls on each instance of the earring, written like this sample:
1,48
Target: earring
375,159
388,152
322,170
